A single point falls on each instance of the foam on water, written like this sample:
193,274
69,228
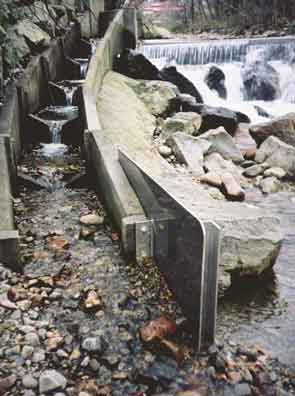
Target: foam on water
234,84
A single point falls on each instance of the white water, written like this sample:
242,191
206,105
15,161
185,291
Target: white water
69,91
181,54
56,148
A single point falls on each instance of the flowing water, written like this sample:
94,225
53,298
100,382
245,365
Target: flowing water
195,59
262,312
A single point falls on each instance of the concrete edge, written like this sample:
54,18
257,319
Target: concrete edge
9,237
111,182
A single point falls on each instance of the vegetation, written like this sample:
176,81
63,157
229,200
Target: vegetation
244,13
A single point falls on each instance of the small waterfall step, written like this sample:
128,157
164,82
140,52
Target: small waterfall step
66,92
217,51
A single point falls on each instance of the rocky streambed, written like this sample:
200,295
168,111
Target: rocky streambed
78,320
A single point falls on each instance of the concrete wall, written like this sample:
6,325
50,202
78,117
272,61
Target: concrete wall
101,154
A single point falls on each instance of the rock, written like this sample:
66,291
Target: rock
158,96
261,112
16,47
223,143
29,382
135,65
243,390
279,173
35,36
189,150
215,79
276,153
214,117
182,122
261,81
212,178
270,185
92,301
6,303
92,219
51,380
244,141
39,356
254,170
92,344
232,189
32,339
27,351
6,383
281,127
164,150
216,163
184,85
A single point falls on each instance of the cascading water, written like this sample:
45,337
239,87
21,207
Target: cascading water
83,66
70,91
232,56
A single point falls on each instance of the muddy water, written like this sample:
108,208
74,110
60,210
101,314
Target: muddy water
263,312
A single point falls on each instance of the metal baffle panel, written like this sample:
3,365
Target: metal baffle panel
181,252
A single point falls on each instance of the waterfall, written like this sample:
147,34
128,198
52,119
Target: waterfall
219,51
69,91
55,129
195,59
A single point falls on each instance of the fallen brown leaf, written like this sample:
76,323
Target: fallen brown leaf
157,329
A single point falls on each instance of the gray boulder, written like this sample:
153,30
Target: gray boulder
279,173
216,163
276,153
232,189
189,150
35,36
223,143
51,380
255,170
270,185
281,127
182,122
156,95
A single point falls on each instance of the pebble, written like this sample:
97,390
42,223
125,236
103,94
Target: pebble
32,339
243,390
92,219
92,344
39,356
51,380
29,382
27,351
6,383
165,151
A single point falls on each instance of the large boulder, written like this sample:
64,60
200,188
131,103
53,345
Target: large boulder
214,117
15,48
216,163
261,81
182,122
135,65
223,143
157,95
276,153
35,36
281,127
189,150
184,85
215,79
